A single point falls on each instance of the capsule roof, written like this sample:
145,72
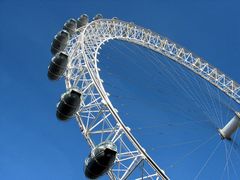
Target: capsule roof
70,26
62,33
98,16
105,145
82,20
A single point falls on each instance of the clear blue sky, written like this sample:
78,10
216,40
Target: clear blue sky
35,145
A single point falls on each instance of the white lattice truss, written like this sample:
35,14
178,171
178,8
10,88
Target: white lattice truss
98,119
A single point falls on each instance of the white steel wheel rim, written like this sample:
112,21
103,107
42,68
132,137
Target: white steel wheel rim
83,50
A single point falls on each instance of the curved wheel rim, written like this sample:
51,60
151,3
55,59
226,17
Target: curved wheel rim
83,49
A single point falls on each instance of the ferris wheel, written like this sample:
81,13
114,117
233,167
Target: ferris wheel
114,149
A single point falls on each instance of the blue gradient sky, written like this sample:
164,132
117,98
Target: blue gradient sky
33,143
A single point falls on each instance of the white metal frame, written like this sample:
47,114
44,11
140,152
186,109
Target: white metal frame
98,119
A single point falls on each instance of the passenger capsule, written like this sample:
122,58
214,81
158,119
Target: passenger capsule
57,66
68,105
70,26
59,42
100,160
82,21
98,16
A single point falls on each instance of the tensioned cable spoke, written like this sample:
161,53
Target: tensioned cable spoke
213,104
210,156
177,144
179,74
228,152
237,154
234,169
194,150
226,166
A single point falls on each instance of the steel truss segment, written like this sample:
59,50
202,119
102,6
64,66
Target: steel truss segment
95,119
130,32
98,119
137,160
90,53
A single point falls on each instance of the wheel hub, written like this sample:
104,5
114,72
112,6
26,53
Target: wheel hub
230,128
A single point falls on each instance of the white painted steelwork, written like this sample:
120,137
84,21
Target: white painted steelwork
98,119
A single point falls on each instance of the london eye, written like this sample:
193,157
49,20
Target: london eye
115,150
